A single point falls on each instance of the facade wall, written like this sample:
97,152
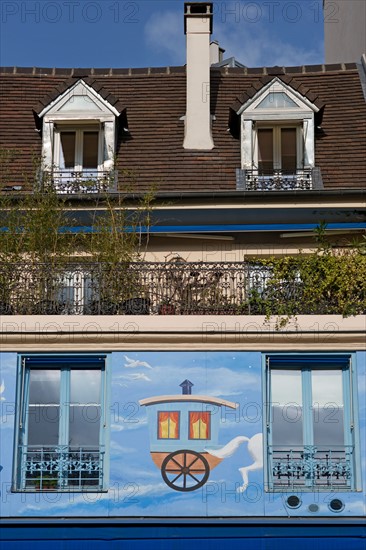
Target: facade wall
235,373
345,31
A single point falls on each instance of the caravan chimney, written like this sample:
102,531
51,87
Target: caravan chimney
198,28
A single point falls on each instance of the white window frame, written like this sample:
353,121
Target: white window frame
79,132
277,153
300,116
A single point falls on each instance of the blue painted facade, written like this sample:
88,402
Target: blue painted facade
153,535
133,486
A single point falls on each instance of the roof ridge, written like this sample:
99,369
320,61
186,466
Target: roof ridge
92,71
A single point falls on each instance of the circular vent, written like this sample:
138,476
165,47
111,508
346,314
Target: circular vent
336,505
293,501
313,508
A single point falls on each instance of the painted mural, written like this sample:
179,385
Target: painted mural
185,439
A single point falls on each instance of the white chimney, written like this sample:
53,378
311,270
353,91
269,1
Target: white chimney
198,28
216,52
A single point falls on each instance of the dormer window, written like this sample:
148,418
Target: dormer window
277,140
278,149
79,141
78,151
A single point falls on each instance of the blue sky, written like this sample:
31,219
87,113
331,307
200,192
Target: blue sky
145,33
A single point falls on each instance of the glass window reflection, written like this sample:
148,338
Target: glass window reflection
287,408
328,407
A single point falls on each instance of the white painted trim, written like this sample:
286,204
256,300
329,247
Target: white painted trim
79,88
189,398
302,116
276,85
201,332
104,120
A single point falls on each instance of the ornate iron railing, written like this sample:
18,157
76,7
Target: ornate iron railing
57,468
174,288
73,182
311,467
279,180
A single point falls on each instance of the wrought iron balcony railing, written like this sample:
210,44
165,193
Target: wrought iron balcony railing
79,182
279,180
58,468
311,467
171,288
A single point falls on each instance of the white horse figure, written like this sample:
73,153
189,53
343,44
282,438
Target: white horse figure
255,449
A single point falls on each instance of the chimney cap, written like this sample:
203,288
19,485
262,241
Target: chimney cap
198,10
186,386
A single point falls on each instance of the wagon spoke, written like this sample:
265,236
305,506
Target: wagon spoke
175,479
177,463
194,477
193,461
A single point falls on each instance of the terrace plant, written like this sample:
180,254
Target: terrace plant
328,281
39,239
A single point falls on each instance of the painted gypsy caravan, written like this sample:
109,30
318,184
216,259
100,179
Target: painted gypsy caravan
181,427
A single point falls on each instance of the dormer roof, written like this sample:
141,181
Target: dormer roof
99,98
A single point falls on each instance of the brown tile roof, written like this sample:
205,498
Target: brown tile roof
154,99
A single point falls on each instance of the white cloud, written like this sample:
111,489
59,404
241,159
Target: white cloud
256,46
253,45
121,424
127,493
164,34
116,447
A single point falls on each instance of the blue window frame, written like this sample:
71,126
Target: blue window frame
310,423
61,423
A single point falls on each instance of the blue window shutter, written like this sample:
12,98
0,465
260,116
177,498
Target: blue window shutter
84,360
311,360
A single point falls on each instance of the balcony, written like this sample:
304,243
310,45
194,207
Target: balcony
279,180
311,468
83,182
148,288
60,468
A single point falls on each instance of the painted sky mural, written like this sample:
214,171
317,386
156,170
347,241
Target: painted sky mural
231,385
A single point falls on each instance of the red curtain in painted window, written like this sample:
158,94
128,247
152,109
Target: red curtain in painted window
199,425
168,425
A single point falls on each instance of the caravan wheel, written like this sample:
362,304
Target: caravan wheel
185,470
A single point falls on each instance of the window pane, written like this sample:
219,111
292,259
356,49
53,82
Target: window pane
84,425
44,386
67,150
79,103
199,425
287,409
288,150
90,149
328,407
168,425
85,386
43,425
277,100
265,150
